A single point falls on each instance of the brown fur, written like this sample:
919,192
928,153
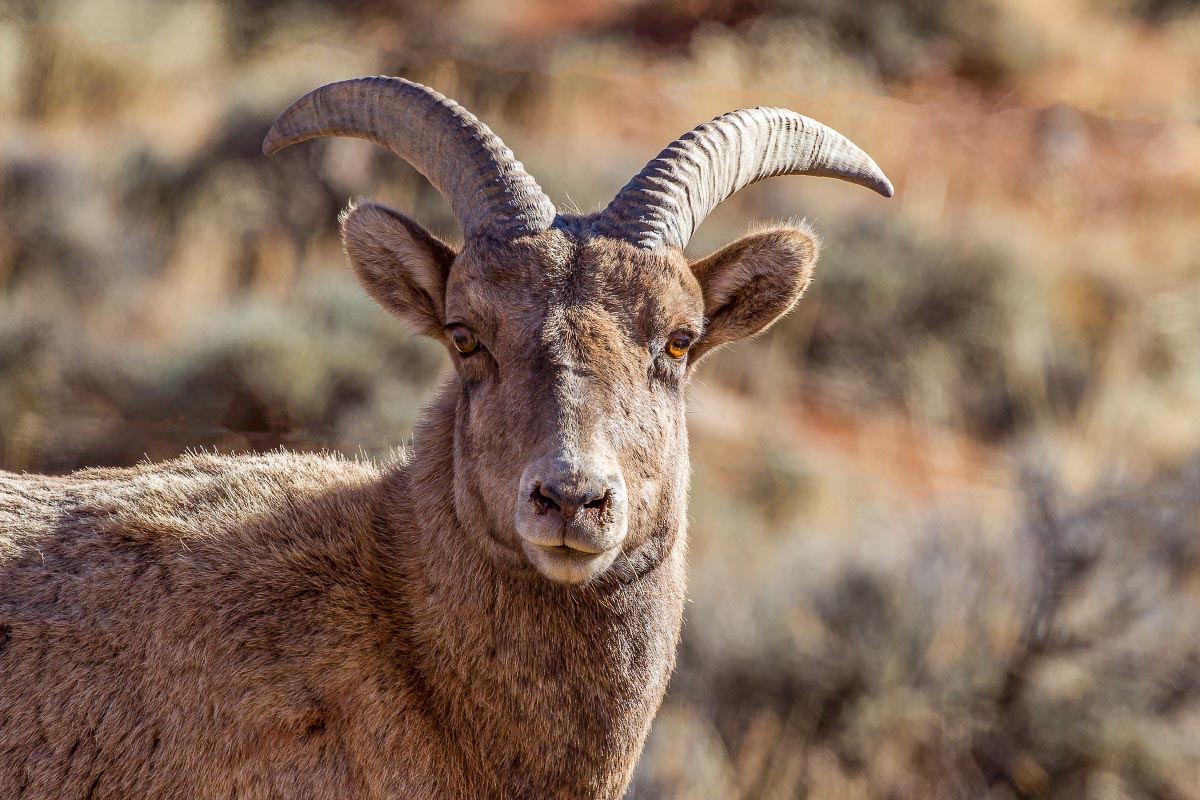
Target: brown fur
303,626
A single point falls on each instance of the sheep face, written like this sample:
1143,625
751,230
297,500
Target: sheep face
572,352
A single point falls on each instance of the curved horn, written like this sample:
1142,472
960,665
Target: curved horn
488,189
665,202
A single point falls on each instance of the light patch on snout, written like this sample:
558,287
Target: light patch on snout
567,565
571,516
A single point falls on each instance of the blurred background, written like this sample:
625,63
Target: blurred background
945,516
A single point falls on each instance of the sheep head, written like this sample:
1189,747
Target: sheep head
573,336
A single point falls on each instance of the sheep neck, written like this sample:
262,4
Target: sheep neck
541,689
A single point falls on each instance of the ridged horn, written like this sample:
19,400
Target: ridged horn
488,189
665,202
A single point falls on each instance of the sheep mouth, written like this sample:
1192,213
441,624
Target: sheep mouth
563,563
569,551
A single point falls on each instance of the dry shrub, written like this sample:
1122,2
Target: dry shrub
1044,663
324,369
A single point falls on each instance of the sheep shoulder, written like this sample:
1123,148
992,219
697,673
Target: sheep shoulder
209,616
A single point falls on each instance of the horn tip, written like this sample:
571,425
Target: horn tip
873,178
271,143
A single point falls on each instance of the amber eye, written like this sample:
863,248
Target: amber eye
678,344
464,339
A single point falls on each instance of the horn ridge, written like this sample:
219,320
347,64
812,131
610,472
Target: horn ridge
487,188
664,203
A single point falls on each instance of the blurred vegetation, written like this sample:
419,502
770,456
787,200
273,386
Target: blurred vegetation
1060,662
901,41
945,515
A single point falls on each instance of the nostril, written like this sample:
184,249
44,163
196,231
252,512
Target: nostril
597,500
542,499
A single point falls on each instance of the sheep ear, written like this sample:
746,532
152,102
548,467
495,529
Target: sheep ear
401,265
752,282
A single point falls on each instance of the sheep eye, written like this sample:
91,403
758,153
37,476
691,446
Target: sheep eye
463,339
679,343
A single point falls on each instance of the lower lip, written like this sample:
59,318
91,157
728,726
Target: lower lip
565,564
564,551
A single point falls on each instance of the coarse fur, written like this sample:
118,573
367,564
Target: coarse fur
303,626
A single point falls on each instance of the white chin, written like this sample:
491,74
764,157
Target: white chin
565,565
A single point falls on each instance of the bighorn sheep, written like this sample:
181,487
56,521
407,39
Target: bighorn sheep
493,615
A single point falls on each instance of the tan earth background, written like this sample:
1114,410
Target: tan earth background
945,519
